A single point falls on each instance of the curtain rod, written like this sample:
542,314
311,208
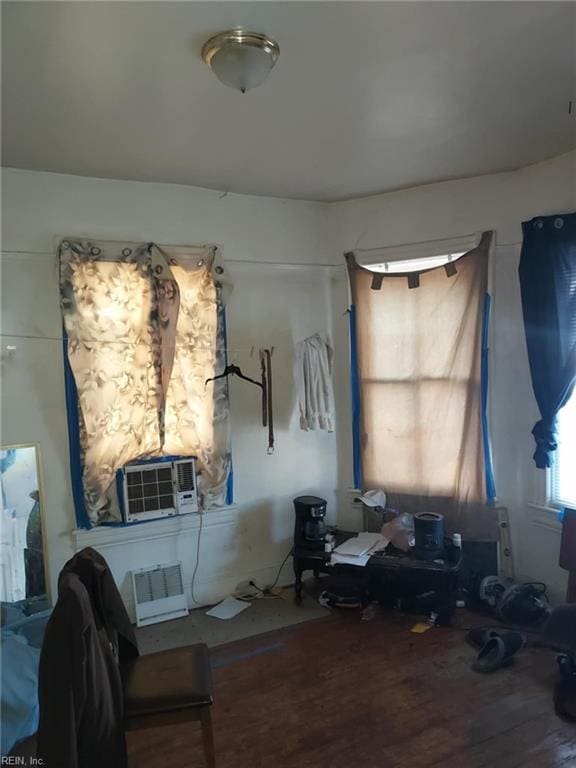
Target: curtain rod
420,242
208,348
425,242
8,252
289,264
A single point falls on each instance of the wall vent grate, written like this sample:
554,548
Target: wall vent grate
159,593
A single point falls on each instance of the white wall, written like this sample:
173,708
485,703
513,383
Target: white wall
499,202
270,306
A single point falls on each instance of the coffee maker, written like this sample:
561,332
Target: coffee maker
310,528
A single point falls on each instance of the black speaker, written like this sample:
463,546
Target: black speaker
428,535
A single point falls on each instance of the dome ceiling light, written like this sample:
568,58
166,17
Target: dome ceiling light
239,59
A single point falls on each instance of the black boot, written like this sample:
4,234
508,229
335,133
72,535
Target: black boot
565,688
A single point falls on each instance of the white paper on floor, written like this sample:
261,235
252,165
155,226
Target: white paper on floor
228,608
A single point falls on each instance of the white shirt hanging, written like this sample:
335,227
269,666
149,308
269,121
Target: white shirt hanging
313,375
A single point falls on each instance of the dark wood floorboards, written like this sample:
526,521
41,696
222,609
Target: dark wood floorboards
343,693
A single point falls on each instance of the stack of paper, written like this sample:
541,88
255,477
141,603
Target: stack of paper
359,549
338,559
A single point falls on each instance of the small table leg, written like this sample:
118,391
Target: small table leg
451,592
207,737
571,591
297,584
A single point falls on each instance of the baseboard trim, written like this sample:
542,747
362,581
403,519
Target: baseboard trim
211,591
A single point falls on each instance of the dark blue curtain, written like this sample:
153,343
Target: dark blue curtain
548,285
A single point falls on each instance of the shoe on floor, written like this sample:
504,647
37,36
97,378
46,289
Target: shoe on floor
498,650
479,636
565,698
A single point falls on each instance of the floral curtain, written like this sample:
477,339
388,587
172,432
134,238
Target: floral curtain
145,331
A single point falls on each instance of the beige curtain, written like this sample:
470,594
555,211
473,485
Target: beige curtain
419,357
144,333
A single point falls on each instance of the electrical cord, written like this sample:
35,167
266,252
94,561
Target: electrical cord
197,558
280,569
266,592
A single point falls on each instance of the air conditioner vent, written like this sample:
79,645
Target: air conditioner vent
185,472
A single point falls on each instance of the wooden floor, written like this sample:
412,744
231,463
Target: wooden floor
342,693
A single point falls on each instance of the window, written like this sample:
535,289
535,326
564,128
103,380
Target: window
144,332
563,472
418,326
415,265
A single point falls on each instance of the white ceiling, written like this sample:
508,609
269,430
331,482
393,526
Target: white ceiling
366,97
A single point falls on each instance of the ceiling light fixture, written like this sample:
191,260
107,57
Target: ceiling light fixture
239,59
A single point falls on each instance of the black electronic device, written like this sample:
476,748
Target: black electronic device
428,536
521,604
309,527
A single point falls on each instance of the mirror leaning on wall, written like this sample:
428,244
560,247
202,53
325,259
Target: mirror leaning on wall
24,577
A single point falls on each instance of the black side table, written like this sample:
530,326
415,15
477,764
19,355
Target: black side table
386,573
405,578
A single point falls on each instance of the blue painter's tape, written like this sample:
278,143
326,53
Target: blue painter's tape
484,384
228,660
230,478
76,468
230,485
120,492
355,390
157,460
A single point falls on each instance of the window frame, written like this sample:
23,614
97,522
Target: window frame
553,499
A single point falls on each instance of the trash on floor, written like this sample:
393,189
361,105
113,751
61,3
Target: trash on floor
420,627
228,608
369,612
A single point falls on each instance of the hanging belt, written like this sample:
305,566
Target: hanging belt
267,411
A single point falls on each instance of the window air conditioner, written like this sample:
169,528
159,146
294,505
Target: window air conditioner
159,488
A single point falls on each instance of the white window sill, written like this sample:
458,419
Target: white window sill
106,535
544,516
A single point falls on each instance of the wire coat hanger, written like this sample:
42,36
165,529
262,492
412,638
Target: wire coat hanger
234,370
265,385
